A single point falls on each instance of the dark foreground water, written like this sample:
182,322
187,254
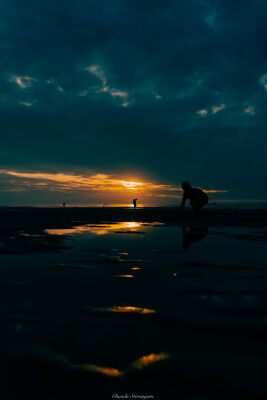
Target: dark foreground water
132,308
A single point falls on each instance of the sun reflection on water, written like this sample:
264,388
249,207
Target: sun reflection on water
122,309
101,229
128,309
139,364
103,370
149,359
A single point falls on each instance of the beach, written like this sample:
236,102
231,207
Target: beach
155,302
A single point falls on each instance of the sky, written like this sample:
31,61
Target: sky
104,101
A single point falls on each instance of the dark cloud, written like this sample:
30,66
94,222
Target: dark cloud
157,64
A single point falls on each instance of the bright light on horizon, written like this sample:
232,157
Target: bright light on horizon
86,188
131,185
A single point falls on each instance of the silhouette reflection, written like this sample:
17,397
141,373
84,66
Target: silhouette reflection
192,235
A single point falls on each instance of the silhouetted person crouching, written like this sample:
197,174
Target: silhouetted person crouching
197,197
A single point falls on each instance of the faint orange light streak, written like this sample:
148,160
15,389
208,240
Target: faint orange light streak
145,361
103,370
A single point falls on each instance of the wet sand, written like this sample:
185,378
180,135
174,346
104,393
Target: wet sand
153,302
42,217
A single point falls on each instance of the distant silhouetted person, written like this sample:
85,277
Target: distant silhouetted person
64,205
197,197
134,202
192,235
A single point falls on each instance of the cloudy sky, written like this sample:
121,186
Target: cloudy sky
102,101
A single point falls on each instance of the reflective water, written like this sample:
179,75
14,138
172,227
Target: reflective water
120,297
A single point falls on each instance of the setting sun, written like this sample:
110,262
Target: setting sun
131,185
91,189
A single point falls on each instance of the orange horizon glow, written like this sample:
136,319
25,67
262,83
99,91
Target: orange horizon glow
105,188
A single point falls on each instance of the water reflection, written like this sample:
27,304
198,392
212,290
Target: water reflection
192,235
102,229
139,364
145,361
103,370
122,309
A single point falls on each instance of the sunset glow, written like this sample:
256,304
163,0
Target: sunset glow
132,185
132,199
98,188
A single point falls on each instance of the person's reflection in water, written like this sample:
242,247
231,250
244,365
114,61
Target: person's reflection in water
193,234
